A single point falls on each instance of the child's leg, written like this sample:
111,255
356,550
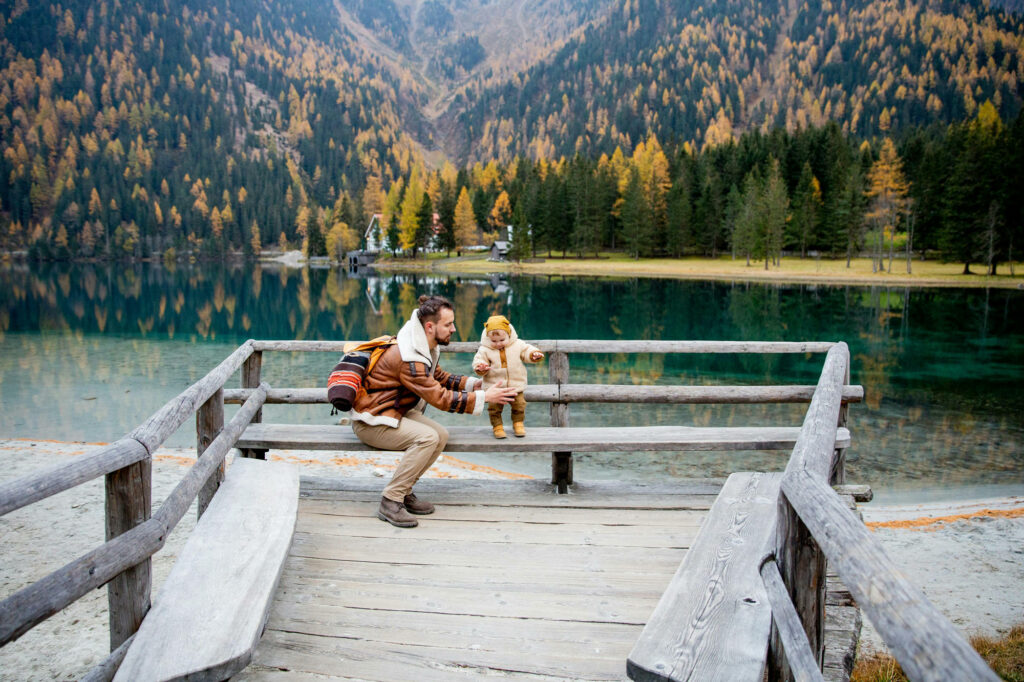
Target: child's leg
519,408
494,412
519,415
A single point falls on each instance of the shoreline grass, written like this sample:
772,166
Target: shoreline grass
1005,655
792,270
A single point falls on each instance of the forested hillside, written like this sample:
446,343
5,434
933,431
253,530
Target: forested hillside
163,129
132,127
707,71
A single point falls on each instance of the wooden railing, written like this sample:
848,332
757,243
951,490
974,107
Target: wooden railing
123,562
814,525
810,512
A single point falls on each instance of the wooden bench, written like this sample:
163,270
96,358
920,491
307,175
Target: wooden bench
713,621
562,441
213,607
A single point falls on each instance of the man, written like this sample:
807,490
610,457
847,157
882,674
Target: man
388,414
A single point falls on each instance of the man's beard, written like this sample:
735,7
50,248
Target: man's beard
444,341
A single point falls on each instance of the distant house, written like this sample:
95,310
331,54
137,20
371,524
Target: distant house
499,250
376,239
374,235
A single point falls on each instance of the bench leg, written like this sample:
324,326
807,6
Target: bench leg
254,453
561,471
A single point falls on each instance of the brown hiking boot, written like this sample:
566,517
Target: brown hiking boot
519,428
499,431
417,506
395,514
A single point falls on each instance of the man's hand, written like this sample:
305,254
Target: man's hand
499,394
481,368
536,356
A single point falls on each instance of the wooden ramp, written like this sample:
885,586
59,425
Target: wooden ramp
506,578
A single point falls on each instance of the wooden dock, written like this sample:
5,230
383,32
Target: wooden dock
506,578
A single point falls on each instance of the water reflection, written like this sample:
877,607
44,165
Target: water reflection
88,351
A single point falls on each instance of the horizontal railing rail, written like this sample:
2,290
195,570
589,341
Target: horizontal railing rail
600,393
589,346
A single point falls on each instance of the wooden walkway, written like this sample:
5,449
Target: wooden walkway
506,578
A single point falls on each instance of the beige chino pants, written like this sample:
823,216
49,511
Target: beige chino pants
420,437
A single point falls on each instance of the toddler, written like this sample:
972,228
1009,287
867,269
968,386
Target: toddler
500,357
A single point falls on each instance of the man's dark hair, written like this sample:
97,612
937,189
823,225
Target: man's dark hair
431,306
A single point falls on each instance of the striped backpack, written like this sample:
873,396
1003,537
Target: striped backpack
346,380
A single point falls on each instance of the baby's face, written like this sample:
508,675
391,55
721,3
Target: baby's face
498,337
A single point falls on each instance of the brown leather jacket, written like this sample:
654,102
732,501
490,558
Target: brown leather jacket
409,372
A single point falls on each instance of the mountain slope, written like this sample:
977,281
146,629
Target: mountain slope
702,71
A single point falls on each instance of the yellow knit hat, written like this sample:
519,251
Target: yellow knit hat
495,322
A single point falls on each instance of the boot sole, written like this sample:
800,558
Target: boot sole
399,524
419,513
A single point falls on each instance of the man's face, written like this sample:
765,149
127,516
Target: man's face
498,337
443,329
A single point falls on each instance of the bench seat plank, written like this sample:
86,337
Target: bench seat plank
544,439
713,621
212,608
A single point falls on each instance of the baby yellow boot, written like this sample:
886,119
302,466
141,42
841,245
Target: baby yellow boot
519,428
499,431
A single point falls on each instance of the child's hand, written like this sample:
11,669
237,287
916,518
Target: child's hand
536,356
481,368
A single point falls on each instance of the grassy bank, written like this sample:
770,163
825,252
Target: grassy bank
1005,655
825,271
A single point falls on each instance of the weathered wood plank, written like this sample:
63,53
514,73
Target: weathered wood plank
25,490
453,630
546,602
209,422
602,393
713,621
803,662
925,643
128,503
588,346
692,395
534,493
565,535
536,517
383,661
462,553
568,579
214,603
618,494
165,421
544,439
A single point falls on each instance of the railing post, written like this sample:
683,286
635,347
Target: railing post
129,496
837,476
561,462
802,566
252,370
209,422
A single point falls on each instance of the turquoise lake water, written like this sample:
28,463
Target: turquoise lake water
87,352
